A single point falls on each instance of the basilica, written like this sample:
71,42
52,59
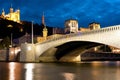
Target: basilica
12,15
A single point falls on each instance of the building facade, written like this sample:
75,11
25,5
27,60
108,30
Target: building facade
91,26
94,25
71,26
12,15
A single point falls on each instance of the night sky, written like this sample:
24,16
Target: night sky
106,12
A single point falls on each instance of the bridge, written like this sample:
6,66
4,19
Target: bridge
49,50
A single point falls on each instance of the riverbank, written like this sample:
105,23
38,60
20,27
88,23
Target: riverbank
98,56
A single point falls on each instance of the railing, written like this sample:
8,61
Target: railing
111,28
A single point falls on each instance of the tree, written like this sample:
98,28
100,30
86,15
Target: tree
6,42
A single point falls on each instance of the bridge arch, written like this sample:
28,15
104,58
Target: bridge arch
109,36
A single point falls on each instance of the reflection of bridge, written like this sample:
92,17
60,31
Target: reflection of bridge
47,51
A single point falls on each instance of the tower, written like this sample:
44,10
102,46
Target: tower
71,26
3,13
18,15
45,31
11,9
43,21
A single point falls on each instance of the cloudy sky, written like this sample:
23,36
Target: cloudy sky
106,12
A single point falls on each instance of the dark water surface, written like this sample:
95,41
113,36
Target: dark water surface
104,70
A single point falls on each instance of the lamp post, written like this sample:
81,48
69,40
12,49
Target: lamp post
32,32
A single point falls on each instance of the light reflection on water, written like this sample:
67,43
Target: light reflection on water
11,71
60,71
69,76
29,71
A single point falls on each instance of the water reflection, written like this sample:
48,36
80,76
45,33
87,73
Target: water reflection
12,71
29,71
60,71
15,71
69,76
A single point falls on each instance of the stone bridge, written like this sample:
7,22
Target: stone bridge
48,50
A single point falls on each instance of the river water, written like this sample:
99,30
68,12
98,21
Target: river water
93,70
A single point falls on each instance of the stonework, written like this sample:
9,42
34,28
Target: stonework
71,26
27,54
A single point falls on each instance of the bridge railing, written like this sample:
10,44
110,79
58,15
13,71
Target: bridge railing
106,29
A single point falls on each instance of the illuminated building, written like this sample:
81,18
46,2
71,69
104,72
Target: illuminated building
44,37
94,25
84,29
45,31
13,16
71,26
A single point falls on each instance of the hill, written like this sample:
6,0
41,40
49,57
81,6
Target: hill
19,29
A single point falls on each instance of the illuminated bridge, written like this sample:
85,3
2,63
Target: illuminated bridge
69,47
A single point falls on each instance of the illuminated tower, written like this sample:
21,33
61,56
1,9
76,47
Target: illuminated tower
94,26
18,15
3,13
11,9
71,26
45,31
43,21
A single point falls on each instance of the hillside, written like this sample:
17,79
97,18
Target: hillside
7,27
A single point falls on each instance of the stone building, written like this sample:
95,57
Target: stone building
12,15
71,26
94,25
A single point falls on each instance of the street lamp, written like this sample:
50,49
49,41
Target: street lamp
32,32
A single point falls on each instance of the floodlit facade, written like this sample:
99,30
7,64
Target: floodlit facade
94,25
13,16
71,26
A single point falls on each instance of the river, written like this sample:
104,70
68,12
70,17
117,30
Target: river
94,70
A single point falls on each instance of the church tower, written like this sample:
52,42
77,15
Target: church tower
3,13
43,21
11,9
45,31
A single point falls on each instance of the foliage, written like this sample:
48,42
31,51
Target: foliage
5,43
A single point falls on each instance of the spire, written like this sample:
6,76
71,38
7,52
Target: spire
11,9
45,31
11,6
43,21
3,10
3,13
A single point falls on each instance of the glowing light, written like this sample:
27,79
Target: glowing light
29,48
29,72
12,52
10,26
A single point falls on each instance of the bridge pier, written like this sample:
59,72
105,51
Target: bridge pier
27,53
